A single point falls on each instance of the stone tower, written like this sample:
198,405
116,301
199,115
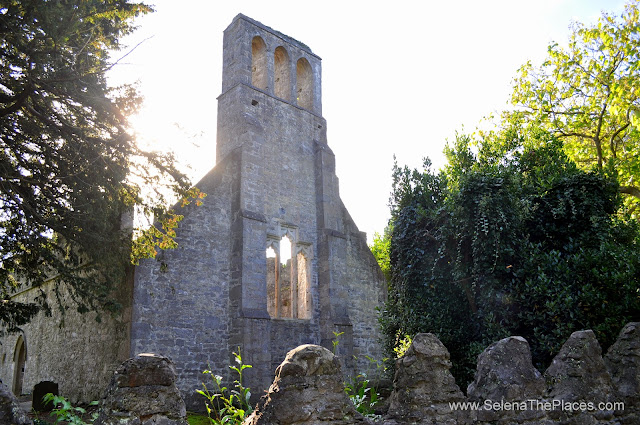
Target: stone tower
272,259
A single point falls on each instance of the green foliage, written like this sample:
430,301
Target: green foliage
381,249
588,94
510,239
402,345
362,392
363,395
66,413
69,165
336,341
226,406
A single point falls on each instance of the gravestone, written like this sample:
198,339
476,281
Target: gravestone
39,391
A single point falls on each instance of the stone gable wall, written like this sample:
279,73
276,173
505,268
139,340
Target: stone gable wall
181,298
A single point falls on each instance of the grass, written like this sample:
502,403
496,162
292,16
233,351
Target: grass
197,419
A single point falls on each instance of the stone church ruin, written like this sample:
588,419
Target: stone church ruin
270,261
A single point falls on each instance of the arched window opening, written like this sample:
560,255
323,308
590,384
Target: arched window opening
282,80
304,292
20,360
288,293
304,89
259,75
285,250
272,280
285,283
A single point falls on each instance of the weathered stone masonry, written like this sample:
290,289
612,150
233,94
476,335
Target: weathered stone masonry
80,357
273,184
274,179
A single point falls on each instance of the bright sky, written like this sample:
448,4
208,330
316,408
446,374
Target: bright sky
398,78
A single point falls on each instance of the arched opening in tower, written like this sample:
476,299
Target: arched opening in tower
259,75
282,77
304,78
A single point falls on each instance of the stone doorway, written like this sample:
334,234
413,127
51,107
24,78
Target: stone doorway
19,358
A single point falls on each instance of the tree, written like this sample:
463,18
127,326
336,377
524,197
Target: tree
381,249
69,165
513,239
588,95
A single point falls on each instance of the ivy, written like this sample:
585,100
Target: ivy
511,238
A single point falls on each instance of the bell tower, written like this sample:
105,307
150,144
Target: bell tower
258,62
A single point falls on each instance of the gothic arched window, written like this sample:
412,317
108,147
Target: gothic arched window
288,278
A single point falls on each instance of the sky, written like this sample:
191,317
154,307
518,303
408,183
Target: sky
398,78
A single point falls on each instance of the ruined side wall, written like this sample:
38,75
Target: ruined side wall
366,291
80,356
351,285
181,298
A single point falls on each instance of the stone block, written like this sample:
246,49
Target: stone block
505,372
623,362
308,389
143,391
578,372
423,386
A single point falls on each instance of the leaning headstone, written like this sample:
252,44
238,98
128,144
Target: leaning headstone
308,389
143,392
623,363
10,411
39,391
424,387
505,373
578,371
578,374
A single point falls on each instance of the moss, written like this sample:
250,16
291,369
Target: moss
197,419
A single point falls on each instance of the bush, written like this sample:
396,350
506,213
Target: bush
514,240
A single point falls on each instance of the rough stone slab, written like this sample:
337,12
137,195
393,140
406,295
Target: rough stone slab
146,369
578,371
39,391
424,386
10,411
578,374
623,362
143,392
308,389
505,372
